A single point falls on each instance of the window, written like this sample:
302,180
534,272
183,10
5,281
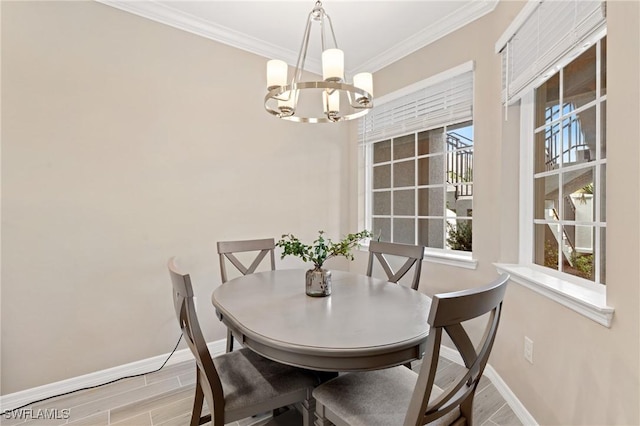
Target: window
423,188
419,150
554,65
569,155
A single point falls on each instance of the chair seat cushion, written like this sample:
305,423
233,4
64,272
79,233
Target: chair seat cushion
374,398
250,380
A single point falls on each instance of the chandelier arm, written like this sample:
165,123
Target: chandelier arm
322,35
333,34
326,85
350,99
358,105
314,120
302,55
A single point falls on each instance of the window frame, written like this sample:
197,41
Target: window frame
582,295
445,256
417,185
563,170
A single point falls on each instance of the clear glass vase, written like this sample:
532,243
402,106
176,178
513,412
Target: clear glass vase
318,282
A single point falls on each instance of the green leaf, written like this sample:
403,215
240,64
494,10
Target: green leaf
321,248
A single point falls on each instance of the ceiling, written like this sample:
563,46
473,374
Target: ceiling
373,34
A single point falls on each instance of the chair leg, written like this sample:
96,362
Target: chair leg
197,402
229,341
320,419
466,408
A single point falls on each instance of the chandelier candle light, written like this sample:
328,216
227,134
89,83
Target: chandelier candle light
340,100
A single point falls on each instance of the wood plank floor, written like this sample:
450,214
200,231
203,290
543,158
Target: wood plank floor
165,398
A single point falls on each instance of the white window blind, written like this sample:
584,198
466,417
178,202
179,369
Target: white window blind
440,101
548,32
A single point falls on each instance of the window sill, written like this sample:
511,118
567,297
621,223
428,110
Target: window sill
457,259
590,302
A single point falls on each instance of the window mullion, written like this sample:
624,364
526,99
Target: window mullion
526,249
392,191
445,168
597,247
561,176
368,182
416,208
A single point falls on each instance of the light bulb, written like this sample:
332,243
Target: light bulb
333,65
276,73
363,81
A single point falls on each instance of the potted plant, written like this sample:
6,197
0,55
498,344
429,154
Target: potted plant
318,280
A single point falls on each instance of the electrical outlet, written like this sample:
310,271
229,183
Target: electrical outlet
528,349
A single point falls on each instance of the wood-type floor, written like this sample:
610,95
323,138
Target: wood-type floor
165,398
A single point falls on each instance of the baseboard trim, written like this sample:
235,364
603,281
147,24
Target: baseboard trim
518,408
17,399
14,400
510,398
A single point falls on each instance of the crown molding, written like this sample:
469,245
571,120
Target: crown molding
428,35
168,15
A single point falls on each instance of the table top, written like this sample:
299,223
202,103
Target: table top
366,323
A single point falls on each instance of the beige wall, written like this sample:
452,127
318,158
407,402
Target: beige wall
583,373
125,142
116,154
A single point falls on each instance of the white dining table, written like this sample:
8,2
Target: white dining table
365,324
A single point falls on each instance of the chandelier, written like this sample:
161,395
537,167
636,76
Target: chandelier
326,101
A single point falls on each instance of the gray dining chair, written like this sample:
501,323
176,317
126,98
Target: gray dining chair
241,383
227,251
399,396
414,254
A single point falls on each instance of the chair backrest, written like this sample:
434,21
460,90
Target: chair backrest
226,249
414,255
448,312
208,378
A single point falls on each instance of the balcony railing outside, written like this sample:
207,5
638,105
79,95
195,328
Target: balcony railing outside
460,164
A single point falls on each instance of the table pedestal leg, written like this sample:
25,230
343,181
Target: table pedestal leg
308,409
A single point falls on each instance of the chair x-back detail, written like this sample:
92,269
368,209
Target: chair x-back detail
399,396
238,384
414,255
226,250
